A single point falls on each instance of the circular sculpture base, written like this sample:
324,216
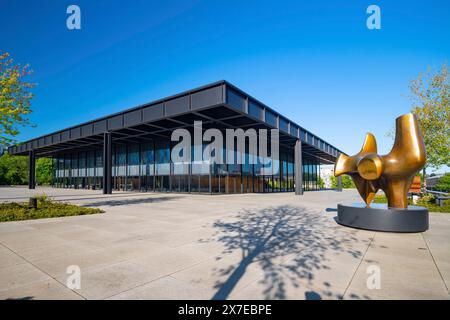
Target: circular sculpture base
381,218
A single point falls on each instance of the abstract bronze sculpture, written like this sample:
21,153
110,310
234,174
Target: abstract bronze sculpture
393,173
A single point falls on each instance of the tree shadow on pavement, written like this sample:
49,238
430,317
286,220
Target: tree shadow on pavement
288,243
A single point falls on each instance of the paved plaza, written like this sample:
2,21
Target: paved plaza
185,246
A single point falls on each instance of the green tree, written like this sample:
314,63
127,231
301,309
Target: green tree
320,182
444,183
430,94
44,171
15,98
13,170
347,182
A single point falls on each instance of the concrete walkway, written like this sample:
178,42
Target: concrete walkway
253,246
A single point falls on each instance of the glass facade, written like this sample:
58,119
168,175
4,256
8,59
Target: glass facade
148,167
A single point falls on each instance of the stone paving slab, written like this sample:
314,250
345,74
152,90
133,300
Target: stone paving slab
181,246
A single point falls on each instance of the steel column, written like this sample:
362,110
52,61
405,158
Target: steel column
107,163
31,170
210,178
339,183
298,168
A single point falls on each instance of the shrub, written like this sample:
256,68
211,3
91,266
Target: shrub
427,201
13,211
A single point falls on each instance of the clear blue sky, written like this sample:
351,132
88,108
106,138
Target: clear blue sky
313,61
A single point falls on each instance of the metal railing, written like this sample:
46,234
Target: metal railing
440,196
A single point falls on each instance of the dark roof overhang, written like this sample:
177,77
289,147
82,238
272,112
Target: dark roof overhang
220,105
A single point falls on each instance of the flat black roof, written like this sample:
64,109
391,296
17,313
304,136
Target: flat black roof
219,104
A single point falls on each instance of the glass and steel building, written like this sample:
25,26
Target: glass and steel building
131,150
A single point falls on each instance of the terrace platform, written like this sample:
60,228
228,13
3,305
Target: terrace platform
246,246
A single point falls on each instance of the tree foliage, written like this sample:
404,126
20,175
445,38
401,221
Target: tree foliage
347,182
14,170
44,171
15,98
320,182
430,94
443,184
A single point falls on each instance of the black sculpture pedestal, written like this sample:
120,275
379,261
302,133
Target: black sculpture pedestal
381,218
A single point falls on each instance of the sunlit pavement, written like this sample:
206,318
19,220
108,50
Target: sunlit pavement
181,246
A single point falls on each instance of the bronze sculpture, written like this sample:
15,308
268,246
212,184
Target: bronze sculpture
393,173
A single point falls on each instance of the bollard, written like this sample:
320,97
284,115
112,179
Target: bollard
32,203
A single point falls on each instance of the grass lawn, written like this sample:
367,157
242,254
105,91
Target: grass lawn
426,201
46,208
